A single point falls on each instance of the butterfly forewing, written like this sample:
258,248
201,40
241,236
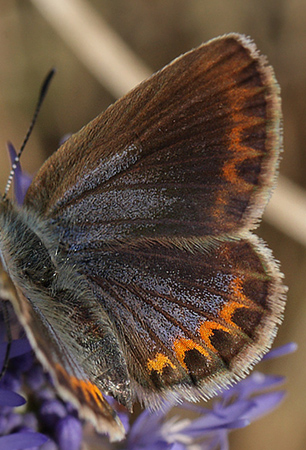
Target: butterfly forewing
189,153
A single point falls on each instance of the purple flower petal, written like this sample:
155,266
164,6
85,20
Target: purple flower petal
10,382
49,445
177,446
30,421
13,422
283,350
211,422
20,364
255,382
69,433
18,348
35,377
51,412
146,424
8,398
223,442
22,440
234,410
125,419
263,404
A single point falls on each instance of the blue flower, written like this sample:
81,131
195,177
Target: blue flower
16,430
43,410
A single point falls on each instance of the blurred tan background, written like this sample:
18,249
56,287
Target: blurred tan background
32,41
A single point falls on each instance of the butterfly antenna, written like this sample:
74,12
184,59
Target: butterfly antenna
43,91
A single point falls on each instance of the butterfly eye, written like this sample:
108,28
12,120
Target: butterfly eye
35,263
41,275
41,278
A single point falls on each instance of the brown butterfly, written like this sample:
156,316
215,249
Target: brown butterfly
135,270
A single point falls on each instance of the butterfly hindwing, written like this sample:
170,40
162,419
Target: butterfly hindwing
190,321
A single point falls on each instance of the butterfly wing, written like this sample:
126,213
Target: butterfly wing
191,322
72,385
191,152
152,202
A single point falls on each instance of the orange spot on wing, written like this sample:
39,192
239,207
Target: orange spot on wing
159,363
91,393
90,389
182,345
229,171
241,120
206,330
239,149
241,301
237,287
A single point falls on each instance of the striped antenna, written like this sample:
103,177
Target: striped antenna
42,94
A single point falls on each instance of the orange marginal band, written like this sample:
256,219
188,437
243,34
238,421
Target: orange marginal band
159,363
182,345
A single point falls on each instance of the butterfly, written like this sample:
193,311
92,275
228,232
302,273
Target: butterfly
135,268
